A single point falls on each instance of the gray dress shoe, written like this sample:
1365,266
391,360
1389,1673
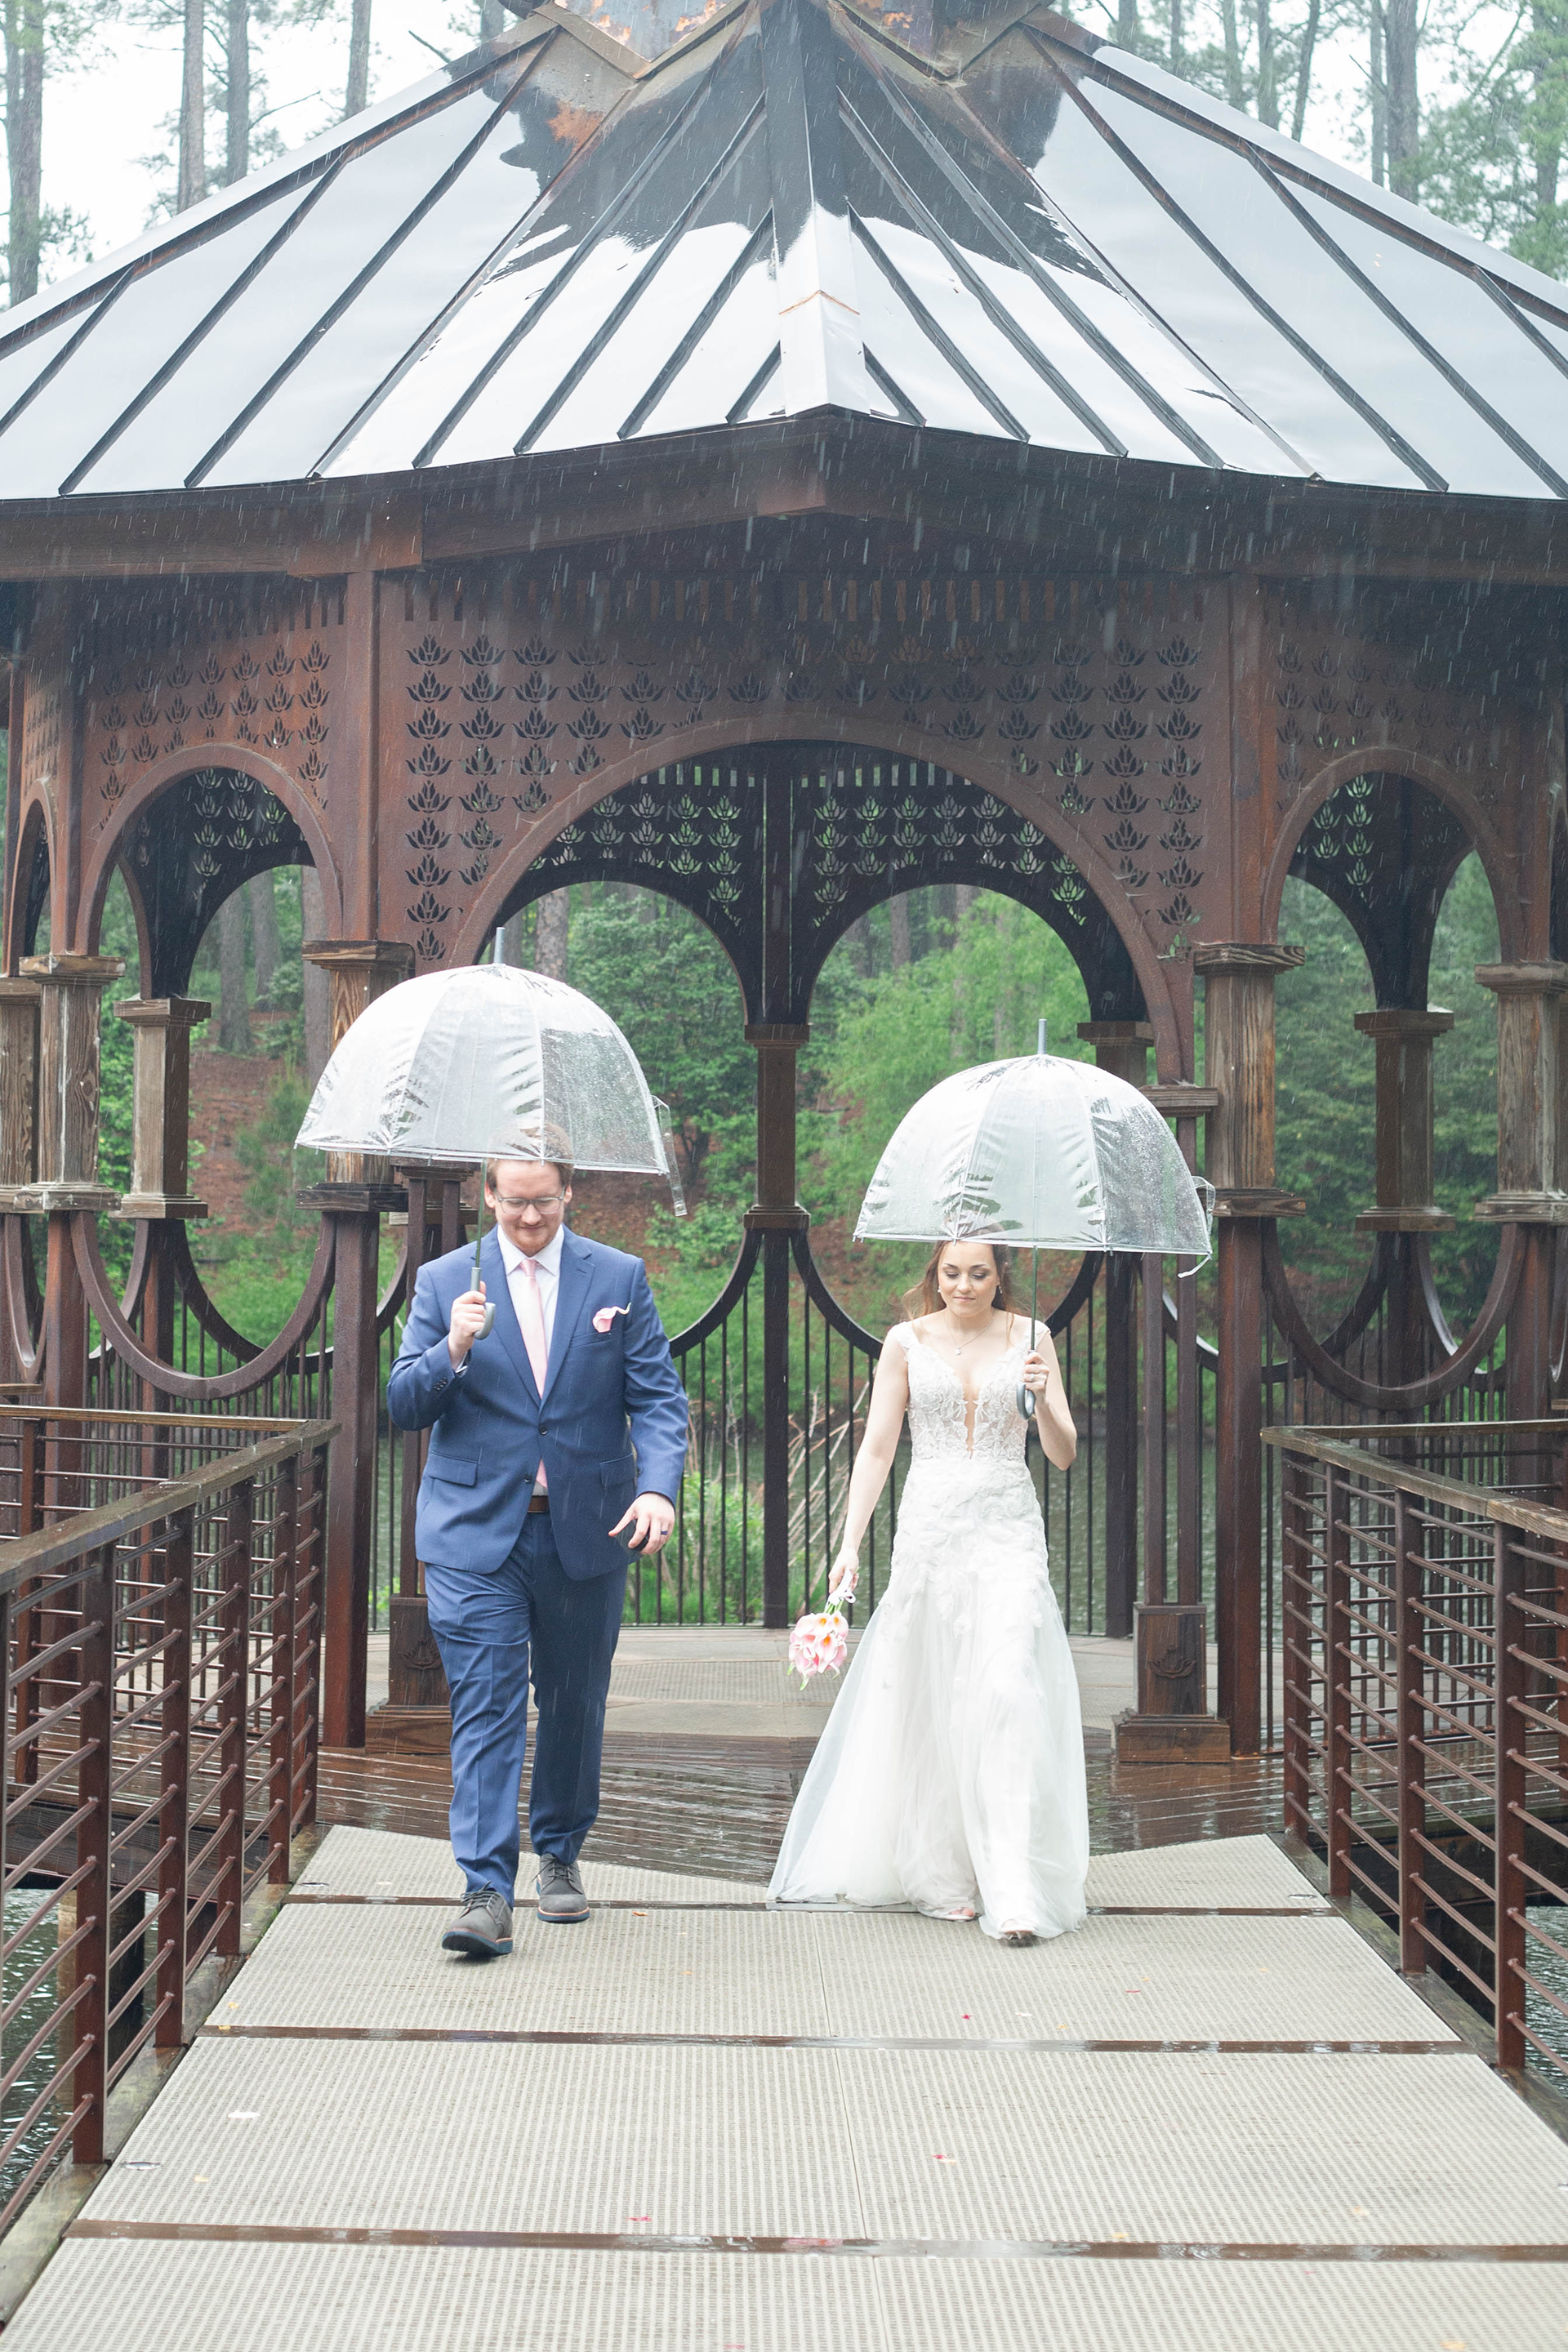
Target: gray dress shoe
560,1891
483,1928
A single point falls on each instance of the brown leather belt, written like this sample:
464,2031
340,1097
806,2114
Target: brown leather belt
539,1501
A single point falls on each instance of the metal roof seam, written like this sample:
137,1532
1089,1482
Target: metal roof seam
936,333
611,213
1466,391
68,350
769,369
265,185
1390,433
994,311
985,211
649,401
878,374
622,308
209,319
350,293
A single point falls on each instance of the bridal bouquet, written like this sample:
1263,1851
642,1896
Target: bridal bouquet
819,1643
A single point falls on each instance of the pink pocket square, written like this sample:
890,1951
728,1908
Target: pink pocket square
606,1316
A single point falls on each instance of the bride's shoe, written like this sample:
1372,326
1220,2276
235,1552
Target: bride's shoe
1019,1936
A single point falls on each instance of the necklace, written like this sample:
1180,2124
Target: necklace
958,1346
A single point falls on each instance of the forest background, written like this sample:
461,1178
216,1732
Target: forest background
118,111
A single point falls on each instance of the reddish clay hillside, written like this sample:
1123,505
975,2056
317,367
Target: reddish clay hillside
229,1093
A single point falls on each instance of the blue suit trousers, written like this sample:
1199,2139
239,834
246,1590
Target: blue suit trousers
491,1627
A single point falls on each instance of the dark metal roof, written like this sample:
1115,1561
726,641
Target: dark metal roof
1031,237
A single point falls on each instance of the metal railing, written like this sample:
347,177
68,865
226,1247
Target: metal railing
160,1628
1424,1611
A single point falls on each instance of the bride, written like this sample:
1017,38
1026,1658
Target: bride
950,1777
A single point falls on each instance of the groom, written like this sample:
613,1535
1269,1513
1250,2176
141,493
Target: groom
560,1433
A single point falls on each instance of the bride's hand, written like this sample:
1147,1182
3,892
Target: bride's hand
845,1576
1036,1372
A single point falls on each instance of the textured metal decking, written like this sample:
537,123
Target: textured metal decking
696,2123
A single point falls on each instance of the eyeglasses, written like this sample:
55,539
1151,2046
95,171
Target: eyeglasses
541,1202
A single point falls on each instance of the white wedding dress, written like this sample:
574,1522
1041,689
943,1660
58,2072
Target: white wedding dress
950,1777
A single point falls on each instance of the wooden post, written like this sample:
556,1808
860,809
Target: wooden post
161,1105
776,1213
19,1007
1239,1033
1532,1158
1122,1048
1406,1208
355,1196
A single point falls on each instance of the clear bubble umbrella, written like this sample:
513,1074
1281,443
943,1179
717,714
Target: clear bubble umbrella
490,1061
1039,1154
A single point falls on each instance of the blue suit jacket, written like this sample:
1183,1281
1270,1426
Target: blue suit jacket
612,1422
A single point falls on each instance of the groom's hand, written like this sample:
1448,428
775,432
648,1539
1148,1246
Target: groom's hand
467,1314
651,1519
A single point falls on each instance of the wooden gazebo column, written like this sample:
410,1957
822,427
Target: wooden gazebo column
1406,1208
71,990
160,1150
18,1119
1122,1048
353,1199
1532,1158
1238,1049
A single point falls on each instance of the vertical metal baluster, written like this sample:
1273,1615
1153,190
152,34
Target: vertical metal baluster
285,1546
746,1454
88,2028
1510,1814
1410,1677
725,1472
175,1782
234,1649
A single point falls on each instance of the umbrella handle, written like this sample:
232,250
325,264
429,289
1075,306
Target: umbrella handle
1026,1402
488,1325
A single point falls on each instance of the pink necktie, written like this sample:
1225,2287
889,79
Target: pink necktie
531,1316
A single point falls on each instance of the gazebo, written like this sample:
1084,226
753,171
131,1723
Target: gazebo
852,451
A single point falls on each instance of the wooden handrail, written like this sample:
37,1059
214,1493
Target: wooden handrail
1508,1510
52,1547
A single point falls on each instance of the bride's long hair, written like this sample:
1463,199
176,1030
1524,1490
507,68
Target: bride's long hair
925,1298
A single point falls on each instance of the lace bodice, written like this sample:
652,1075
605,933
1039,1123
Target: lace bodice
937,1407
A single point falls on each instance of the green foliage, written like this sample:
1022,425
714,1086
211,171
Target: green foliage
663,976
977,997
1325,1114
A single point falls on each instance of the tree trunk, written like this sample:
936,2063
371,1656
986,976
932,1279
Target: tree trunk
192,180
358,95
1379,97
315,986
237,99
858,940
512,939
266,949
1127,26
1267,78
898,923
1304,70
234,1013
1178,41
1233,86
549,934
1551,63
25,140
493,19
1402,37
